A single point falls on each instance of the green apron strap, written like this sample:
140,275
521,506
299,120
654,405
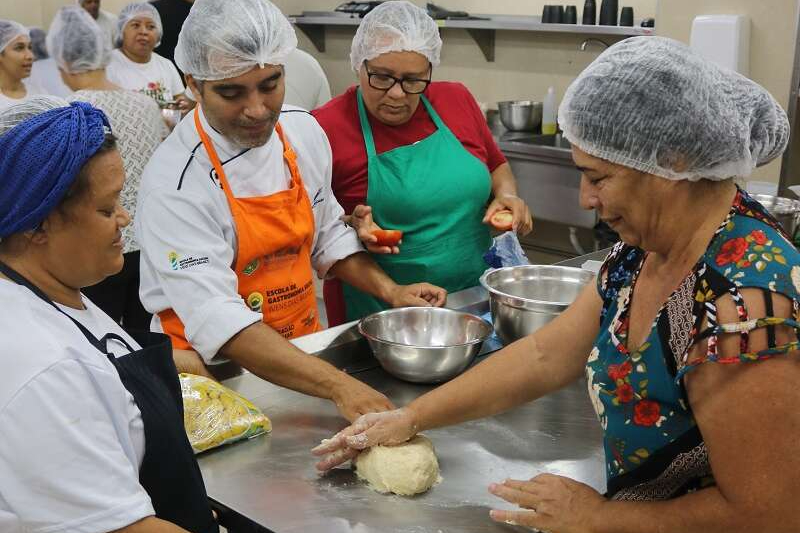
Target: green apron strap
369,140
433,114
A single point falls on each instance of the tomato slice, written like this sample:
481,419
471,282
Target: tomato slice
502,220
388,237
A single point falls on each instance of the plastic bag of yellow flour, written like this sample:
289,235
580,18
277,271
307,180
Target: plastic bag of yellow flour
214,415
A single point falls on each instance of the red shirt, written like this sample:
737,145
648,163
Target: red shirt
452,101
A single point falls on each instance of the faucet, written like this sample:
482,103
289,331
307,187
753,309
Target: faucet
590,40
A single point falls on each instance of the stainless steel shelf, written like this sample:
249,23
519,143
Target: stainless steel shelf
483,31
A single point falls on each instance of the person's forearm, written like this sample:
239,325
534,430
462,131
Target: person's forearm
362,272
503,181
517,374
704,511
265,353
151,524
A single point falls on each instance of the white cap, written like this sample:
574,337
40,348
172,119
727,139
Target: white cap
396,26
76,42
653,104
10,30
223,39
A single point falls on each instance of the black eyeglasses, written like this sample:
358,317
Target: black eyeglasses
384,82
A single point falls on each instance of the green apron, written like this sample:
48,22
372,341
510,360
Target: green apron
435,191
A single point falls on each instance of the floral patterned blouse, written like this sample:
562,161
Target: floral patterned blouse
653,447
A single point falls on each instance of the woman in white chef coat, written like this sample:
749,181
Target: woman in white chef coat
16,62
93,436
134,65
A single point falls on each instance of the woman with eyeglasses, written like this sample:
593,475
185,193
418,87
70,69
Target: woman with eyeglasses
413,155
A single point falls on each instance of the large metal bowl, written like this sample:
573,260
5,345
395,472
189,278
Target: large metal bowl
524,298
520,115
424,344
785,210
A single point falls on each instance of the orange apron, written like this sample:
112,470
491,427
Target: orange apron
273,259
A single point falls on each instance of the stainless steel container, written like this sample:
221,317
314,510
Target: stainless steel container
424,344
785,210
520,115
524,298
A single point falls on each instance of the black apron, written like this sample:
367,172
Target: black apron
169,471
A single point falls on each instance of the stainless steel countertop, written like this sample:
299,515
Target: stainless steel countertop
271,480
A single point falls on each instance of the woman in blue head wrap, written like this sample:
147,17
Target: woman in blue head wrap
81,399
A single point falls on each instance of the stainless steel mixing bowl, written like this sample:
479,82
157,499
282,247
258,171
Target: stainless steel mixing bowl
524,298
520,115
424,344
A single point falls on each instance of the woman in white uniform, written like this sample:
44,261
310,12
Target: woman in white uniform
134,65
93,436
16,61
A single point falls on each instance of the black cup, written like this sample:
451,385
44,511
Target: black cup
608,12
589,13
547,15
626,17
559,14
570,15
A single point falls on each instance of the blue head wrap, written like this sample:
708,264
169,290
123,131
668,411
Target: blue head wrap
39,160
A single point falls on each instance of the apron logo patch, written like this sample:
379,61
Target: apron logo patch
176,263
251,267
255,302
309,320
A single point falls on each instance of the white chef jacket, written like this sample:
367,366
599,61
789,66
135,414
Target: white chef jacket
73,437
186,230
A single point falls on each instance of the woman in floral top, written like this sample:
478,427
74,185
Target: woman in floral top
691,329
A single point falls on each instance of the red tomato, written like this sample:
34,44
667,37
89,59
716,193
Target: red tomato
502,220
388,237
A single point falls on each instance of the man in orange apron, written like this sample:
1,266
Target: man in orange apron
233,219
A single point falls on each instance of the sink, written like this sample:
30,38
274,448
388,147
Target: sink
537,139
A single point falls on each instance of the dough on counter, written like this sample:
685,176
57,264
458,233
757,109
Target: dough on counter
406,469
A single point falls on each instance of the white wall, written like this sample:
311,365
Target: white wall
772,43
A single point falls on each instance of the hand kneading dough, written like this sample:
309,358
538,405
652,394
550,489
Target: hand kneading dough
406,469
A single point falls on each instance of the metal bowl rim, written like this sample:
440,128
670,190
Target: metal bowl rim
532,103
488,329
497,292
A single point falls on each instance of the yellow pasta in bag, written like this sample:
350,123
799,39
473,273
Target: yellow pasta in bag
214,415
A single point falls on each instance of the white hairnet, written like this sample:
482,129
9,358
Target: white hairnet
652,104
138,9
10,30
226,38
18,113
396,26
76,42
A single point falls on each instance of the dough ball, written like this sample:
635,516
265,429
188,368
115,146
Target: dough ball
406,469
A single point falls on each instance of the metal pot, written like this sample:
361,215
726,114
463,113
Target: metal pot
785,210
525,298
520,115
